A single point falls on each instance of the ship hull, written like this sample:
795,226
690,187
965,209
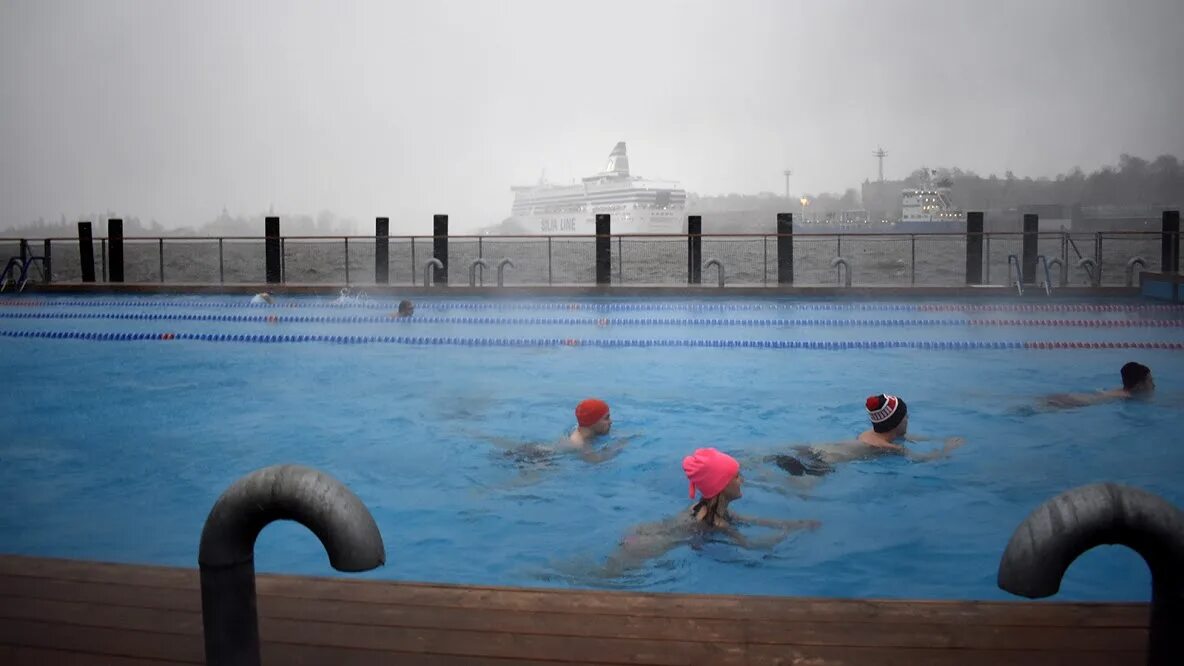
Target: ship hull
628,222
901,227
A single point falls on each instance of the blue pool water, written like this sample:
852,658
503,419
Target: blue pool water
116,450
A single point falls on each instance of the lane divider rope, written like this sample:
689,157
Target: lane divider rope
604,307
577,342
576,321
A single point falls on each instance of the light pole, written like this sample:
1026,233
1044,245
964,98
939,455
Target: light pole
805,202
787,173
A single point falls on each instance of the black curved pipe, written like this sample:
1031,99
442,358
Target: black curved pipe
226,556
1061,529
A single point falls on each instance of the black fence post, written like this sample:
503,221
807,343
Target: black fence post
24,245
86,251
440,248
271,249
115,236
382,229
974,248
47,261
1169,242
784,248
604,249
694,249
1031,229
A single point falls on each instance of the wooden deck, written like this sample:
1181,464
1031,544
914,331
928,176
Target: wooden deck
79,612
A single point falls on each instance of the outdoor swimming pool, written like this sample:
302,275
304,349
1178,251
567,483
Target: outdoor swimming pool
116,448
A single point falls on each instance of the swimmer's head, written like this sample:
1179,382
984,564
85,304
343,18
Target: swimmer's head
888,414
406,308
1137,378
713,473
266,297
594,414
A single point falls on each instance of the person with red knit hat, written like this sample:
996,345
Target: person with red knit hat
592,420
715,477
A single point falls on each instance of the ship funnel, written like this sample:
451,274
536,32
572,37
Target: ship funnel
618,162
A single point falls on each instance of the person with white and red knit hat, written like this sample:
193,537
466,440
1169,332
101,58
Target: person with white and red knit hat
889,416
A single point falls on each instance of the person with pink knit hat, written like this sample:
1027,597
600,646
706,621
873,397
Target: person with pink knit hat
715,477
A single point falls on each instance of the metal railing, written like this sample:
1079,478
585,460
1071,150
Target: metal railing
884,260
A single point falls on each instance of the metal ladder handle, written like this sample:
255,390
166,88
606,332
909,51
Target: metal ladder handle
839,263
473,271
1019,273
501,267
1087,263
1130,269
427,270
719,265
1047,275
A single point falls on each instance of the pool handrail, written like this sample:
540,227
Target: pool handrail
1063,528
719,265
839,263
226,556
1130,269
501,267
1092,270
473,270
427,270
1019,273
1043,261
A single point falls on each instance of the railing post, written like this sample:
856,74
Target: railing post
784,248
382,249
481,255
1098,257
549,281
115,233
221,263
1031,229
1169,242
694,249
604,249
103,249
620,261
86,251
987,257
413,267
161,255
974,247
24,246
47,261
440,249
271,250
347,259
912,260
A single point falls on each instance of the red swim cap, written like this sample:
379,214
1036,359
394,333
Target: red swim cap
590,411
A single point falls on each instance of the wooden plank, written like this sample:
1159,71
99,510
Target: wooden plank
89,608
848,656
26,656
102,641
613,602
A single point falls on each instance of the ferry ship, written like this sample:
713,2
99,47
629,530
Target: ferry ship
925,209
637,205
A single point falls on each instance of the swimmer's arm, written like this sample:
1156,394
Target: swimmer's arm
776,523
784,529
606,453
951,444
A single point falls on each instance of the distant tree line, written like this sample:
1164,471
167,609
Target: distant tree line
324,223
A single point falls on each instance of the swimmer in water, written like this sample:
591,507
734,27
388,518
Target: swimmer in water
1137,382
716,476
593,421
263,297
889,417
406,309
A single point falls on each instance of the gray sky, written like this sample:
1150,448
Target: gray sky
172,110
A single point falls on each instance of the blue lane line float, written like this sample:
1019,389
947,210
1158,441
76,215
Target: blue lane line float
622,321
600,307
837,345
